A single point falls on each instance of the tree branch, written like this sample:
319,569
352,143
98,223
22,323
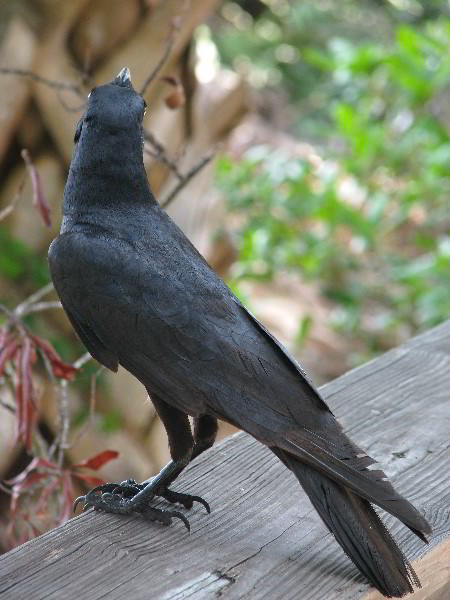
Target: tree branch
85,358
7,406
186,178
41,306
17,196
24,307
92,400
66,106
160,154
174,28
55,85
5,489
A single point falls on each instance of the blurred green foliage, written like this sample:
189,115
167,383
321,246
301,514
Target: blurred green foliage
19,263
365,216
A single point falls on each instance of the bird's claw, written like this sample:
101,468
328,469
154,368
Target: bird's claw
77,502
104,488
186,500
109,500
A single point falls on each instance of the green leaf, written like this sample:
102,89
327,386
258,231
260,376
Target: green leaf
304,330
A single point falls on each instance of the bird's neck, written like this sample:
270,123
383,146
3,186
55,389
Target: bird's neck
106,181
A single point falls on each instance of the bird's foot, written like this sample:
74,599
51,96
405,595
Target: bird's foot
130,488
122,498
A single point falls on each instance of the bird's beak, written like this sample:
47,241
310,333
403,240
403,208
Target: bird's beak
123,78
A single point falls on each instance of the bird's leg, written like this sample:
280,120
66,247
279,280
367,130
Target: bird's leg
183,446
129,497
205,431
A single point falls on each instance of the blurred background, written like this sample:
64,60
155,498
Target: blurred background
325,207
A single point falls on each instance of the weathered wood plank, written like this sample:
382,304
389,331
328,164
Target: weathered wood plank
263,540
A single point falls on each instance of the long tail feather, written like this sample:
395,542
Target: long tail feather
358,529
351,471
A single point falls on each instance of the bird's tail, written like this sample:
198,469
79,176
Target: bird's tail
358,529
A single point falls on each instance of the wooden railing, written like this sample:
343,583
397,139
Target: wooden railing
263,539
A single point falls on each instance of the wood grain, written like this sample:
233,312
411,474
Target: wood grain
263,540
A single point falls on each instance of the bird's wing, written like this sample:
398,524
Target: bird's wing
130,308
164,314
84,331
93,344
317,439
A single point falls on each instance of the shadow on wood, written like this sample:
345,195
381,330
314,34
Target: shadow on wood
263,539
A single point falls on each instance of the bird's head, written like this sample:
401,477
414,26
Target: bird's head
113,110
107,162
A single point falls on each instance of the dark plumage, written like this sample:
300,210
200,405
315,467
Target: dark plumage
140,295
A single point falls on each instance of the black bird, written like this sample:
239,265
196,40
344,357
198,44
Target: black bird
139,295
